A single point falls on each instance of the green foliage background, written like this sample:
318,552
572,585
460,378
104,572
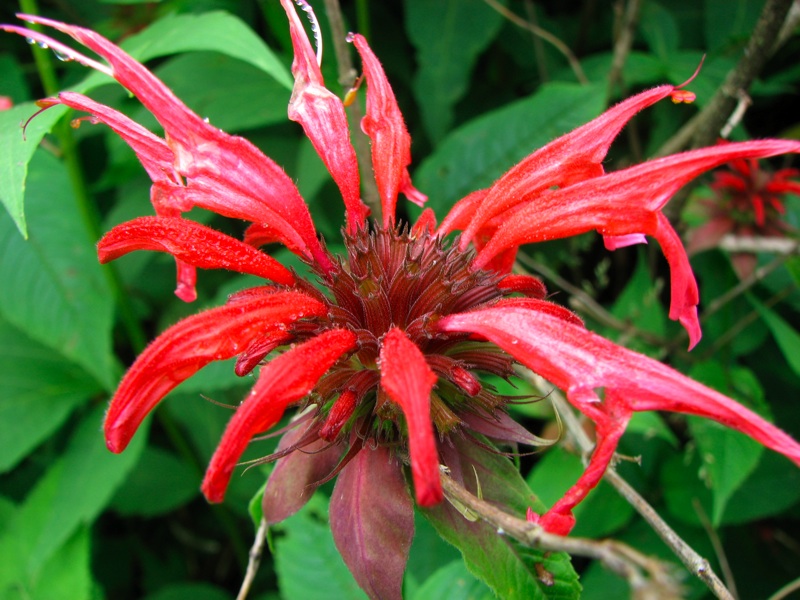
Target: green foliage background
479,93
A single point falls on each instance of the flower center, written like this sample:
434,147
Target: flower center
393,278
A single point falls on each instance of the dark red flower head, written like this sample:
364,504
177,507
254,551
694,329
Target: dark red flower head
385,356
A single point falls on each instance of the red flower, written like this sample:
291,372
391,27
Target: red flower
387,357
748,202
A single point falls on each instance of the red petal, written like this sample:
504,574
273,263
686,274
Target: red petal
372,521
282,381
574,157
192,243
408,380
528,285
391,144
581,362
224,173
321,113
189,345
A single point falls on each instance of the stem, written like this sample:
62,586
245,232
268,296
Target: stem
623,43
347,78
695,563
256,551
615,556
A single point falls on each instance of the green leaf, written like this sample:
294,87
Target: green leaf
729,21
65,576
728,456
217,30
476,154
159,483
511,570
306,560
557,472
448,35
659,30
16,152
231,94
190,591
40,390
453,582
53,287
786,337
89,476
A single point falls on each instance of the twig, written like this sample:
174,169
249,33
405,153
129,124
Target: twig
616,556
784,592
775,245
347,77
623,43
737,115
704,128
545,35
719,549
695,563
254,561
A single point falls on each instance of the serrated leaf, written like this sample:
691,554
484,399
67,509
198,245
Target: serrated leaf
509,569
16,151
786,337
318,574
40,390
53,287
159,483
476,154
89,476
448,37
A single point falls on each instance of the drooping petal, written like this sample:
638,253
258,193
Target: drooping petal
189,345
286,379
573,157
581,362
296,476
322,115
226,174
391,143
623,203
192,243
408,380
372,521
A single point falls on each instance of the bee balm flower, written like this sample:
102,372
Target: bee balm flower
385,356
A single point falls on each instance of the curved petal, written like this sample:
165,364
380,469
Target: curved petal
321,113
573,157
623,203
224,173
192,243
408,380
391,143
191,344
282,381
581,362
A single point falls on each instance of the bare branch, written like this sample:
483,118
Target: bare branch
616,556
623,43
545,35
256,551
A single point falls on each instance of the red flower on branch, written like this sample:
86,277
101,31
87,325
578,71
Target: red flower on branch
748,203
385,360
